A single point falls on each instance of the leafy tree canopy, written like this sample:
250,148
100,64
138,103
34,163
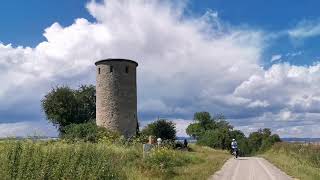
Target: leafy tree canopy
162,128
216,132
64,106
203,121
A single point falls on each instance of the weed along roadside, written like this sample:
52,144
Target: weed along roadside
187,162
296,159
24,159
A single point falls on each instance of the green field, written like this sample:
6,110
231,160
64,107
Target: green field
301,161
61,160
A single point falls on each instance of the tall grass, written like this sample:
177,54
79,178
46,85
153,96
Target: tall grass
199,163
79,160
298,160
29,160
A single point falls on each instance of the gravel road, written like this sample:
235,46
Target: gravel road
249,168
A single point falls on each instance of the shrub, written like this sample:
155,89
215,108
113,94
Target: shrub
88,132
218,138
162,128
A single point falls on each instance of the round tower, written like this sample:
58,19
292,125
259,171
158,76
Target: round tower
116,93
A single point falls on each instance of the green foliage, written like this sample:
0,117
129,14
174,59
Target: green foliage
86,102
217,138
162,128
64,106
203,119
262,140
204,122
216,132
88,132
60,106
195,130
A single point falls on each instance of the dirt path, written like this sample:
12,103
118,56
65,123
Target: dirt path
249,168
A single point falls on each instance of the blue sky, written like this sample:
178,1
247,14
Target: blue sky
260,58
22,23
28,20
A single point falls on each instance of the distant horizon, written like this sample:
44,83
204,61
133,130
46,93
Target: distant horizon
178,137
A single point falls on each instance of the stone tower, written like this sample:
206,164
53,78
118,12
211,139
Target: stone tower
116,91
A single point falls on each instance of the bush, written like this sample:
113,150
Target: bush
218,138
162,128
262,140
88,132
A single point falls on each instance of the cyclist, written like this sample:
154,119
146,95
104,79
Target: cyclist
234,147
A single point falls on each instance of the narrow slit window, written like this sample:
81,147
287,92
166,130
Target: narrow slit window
111,69
98,70
127,69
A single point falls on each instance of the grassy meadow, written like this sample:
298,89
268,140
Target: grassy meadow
25,159
301,161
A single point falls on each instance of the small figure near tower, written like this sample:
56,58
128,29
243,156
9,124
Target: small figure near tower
116,93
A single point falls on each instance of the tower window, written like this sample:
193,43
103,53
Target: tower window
98,70
127,69
111,69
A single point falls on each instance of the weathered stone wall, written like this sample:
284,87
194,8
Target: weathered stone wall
116,91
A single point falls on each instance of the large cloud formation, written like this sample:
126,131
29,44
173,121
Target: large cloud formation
186,64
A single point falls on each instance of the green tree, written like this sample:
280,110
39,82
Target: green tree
204,119
262,139
195,130
266,132
86,102
216,132
162,128
217,138
223,124
60,106
255,140
275,138
63,105
202,123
